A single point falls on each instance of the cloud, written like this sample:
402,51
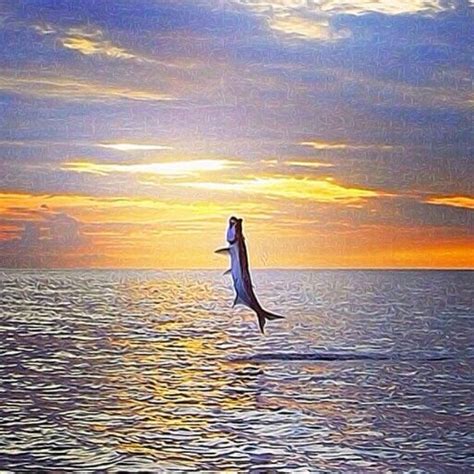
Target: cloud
133,146
9,230
317,190
127,231
63,231
313,20
325,145
115,209
68,88
44,29
387,7
393,93
41,224
349,7
322,145
89,47
111,145
88,42
47,241
309,164
171,169
465,202
314,29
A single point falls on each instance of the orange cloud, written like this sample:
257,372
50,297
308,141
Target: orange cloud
454,201
125,210
117,231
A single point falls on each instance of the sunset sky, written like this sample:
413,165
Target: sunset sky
340,131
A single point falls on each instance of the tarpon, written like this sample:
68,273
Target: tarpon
239,269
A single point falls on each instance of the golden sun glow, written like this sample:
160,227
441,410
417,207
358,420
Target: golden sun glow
319,190
155,233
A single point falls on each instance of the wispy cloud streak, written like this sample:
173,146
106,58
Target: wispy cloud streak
133,146
321,145
466,202
71,89
174,168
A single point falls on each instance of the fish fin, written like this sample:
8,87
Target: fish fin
263,316
228,272
223,250
238,300
261,322
272,316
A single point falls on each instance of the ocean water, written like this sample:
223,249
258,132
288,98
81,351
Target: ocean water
371,371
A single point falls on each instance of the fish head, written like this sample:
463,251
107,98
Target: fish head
234,231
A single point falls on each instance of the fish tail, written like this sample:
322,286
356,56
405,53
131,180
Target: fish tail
261,321
272,316
263,316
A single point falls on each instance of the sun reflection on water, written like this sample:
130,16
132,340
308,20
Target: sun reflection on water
155,371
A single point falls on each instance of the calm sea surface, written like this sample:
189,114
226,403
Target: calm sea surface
126,370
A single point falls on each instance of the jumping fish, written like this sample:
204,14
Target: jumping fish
239,269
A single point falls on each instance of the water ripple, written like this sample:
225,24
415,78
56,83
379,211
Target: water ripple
144,370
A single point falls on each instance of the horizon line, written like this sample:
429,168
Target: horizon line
255,268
